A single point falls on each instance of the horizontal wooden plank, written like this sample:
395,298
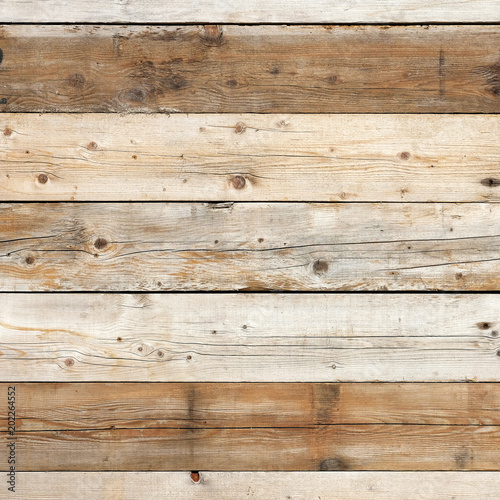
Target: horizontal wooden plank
93,157
83,406
250,337
249,246
330,447
257,485
251,11
258,69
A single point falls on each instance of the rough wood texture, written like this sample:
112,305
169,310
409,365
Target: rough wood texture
268,69
259,485
249,246
250,338
250,157
250,11
77,407
323,447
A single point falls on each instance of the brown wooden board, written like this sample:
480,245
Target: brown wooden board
258,69
110,406
96,427
336,447
249,246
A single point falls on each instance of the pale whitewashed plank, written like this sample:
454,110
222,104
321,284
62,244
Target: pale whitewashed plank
250,337
257,485
251,157
250,11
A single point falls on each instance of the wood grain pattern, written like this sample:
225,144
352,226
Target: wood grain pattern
249,246
258,485
104,406
93,157
250,337
258,69
331,447
251,11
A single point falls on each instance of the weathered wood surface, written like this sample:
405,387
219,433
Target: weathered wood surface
268,69
324,447
250,338
84,406
250,11
258,485
250,157
249,246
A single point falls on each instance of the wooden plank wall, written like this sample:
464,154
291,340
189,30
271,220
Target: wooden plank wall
250,250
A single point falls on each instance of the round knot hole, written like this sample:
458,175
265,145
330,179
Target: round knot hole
42,178
320,267
100,243
238,182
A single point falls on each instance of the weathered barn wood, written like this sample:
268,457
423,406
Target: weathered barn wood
322,447
267,69
250,157
250,11
77,407
251,338
249,246
259,485
193,150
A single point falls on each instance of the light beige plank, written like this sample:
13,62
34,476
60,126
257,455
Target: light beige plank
250,157
250,69
249,246
258,486
331,447
251,11
84,406
250,337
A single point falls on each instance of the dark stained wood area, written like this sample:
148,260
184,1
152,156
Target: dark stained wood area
242,69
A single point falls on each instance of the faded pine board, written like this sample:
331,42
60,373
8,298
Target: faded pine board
331,447
267,69
250,157
249,246
258,485
52,407
251,11
251,338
